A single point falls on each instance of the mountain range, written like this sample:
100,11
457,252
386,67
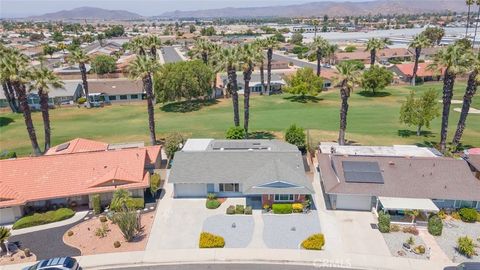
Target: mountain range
87,13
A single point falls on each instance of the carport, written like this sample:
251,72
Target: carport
398,206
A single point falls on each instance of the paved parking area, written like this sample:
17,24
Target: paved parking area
237,230
288,231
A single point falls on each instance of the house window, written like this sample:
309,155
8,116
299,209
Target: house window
123,97
134,96
284,197
230,187
112,97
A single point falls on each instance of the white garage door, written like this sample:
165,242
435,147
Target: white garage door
6,215
190,190
354,202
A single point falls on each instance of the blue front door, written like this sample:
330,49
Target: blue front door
210,188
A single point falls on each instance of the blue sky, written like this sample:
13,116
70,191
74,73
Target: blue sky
21,8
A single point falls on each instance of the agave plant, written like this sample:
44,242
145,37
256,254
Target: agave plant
4,235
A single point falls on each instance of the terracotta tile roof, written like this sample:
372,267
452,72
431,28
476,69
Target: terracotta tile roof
153,152
394,52
413,177
423,71
352,56
58,176
77,145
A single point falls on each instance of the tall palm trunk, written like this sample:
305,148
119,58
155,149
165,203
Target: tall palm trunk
448,83
319,65
45,116
153,52
147,84
373,54
11,90
468,21
7,97
344,93
476,27
467,100
27,115
247,76
418,51
83,71
233,87
205,58
262,77
269,69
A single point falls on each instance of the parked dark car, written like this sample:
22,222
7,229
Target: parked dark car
59,263
465,266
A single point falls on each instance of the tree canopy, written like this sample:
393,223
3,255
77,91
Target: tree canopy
421,111
102,64
297,38
296,136
304,82
376,78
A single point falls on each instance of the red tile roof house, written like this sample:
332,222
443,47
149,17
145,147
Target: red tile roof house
73,174
405,72
396,184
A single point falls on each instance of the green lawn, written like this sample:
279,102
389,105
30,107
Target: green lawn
371,120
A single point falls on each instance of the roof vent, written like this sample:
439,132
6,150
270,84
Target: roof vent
105,166
391,163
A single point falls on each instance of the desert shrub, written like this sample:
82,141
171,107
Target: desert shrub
81,100
248,210
43,218
420,249
410,230
266,207
296,136
97,204
127,223
435,225
103,219
239,209
468,214
235,133
411,240
173,143
466,246
116,244
102,231
211,196
441,214
282,208
27,252
297,207
208,240
136,203
315,242
455,215
395,228
212,204
120,198
155,182
383,222
231,210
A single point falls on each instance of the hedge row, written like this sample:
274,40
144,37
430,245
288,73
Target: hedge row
44,218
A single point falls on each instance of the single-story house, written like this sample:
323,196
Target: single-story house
366,182
362,56
405,72
474,162
67,179
277,82
117,90
264,170
399,54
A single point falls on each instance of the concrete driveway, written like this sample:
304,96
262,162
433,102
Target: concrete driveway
237,230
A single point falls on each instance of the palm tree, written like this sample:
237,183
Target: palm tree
142,68
418,43
455,59
476,22
202,49
42,79
154,43
7,87
469,4
270,43
319,46
4,235
228,58
261,63
373,45
315,24
79,56
14,69
100,38
349,76
471,89
137,44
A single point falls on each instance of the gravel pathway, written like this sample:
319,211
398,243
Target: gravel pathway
452,230
395,242
238,236
278,230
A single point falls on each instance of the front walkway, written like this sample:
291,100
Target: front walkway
436,253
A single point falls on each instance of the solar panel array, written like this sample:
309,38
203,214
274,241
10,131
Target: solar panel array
362,172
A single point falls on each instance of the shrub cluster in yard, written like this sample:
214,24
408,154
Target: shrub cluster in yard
383,222
466,246
239,210
248,210
97,204
122,197
315,242
44,218
468,214
231,210
435,225
208,240
297,207
410,230
212,204
282,208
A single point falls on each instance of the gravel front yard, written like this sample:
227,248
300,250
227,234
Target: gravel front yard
452,230
236,236
288,231
17,257
395,242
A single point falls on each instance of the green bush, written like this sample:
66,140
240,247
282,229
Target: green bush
81,100
314,242
173,143
235,133
212,204
231,210
435,225
468,214
211,196
466,246
282,208
44,218
208,240
155,182
383,222
127,223
296,136
136,203
8,155
97,204
248,210
116,244
239,209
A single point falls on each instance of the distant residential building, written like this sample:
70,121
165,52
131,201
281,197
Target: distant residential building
404,72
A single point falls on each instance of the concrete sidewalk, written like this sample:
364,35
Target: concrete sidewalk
77,217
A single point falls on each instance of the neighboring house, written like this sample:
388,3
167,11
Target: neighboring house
117,90
396,183
276,83
474,162
62,179
404,72
261,170
70,70
395,54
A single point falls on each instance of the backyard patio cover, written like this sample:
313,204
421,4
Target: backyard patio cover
392,203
